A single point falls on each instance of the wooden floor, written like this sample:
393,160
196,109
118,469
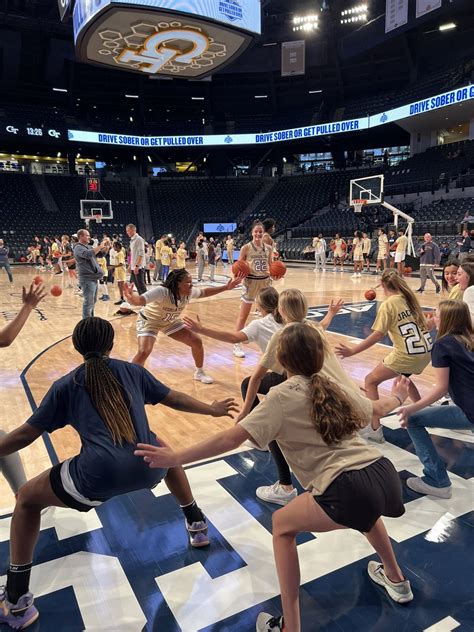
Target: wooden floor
44,349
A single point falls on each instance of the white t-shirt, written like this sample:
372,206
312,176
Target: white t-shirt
261,330
468,298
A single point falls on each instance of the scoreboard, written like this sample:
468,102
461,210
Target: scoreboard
31,130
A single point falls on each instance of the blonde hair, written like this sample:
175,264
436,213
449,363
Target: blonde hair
392,281
293,306
268,299
301,351
455,320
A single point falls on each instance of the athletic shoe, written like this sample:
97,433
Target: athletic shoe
20,615
105,297
267,623
200,376
238,351
442,401
417,484
359,275
438,289
119,302
370,434
354,276
275,494
398,591
12,286
420,290
254,446
197,532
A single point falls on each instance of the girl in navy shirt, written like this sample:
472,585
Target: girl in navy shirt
104,401
453,361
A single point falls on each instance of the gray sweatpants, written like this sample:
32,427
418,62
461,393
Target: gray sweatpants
320,260
427,272
12,469
200,270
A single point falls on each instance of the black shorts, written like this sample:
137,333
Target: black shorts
61,493
357,498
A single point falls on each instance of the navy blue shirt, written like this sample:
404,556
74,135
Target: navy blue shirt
450,352
103,470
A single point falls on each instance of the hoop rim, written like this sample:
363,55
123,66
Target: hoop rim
359,202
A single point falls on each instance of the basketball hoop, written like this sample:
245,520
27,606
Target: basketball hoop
358,204
98,219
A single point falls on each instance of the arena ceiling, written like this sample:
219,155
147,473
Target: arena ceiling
37,54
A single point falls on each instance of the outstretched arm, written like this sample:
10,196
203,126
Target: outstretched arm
35,294
254,385
230,285
344,351
217,334
133,299
334,308
188,404
218,444
18,439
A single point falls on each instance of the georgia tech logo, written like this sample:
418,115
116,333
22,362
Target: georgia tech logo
157,51
54,133
12,130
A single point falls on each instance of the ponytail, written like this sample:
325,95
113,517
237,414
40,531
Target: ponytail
93,339
392,281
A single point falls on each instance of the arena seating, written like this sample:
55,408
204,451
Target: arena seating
177,205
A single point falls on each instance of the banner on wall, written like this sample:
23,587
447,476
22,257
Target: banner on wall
426,6
460,95
396,14
293,58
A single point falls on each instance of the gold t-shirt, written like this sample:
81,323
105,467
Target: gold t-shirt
455,293
284,415
181,258
412,345
366,245
402,244
383,245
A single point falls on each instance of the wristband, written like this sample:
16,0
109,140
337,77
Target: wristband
399,399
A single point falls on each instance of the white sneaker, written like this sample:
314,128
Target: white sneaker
275,494
238,351
354,276
200,376
368,433
359,275
268,623
417,484
254,446
398,591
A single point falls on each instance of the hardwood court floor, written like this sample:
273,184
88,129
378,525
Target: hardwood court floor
44,349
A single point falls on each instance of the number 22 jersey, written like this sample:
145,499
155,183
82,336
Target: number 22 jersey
411,344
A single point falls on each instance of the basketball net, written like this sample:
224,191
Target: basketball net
358,204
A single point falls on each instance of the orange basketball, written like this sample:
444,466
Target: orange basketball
343,245
370,295
333,247
57,253
407,270
56,290
38,280
240,268
277,269
151,266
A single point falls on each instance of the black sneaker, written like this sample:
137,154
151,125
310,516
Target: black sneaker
420,290
119,302
267,623
438,289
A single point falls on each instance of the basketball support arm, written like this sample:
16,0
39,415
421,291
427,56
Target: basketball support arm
409,231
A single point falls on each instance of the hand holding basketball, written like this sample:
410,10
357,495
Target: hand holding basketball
240,269
370,295
277,269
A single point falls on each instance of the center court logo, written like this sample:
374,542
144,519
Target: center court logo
231,9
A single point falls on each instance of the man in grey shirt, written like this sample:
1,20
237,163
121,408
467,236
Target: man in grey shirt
137,258
430,257
88,270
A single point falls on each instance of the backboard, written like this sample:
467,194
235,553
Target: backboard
90,209
369,189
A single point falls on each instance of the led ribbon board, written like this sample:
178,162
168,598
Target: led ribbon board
184,39
446,99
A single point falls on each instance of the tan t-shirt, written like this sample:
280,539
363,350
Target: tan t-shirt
160,307
332,369
285,415
366,245
402,244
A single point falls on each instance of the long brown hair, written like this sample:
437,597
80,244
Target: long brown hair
392,281
93,338
301,352
468,267
455,320
268,299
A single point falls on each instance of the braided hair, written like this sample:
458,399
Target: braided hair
93,338
172,283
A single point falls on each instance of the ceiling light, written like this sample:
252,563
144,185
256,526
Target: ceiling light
131,119
134,157
197,98
261,96
149,158
447,27
314,91
59,154
271,44
78,156
59,90
131,96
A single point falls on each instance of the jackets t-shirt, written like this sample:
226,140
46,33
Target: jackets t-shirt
102,469
285,415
